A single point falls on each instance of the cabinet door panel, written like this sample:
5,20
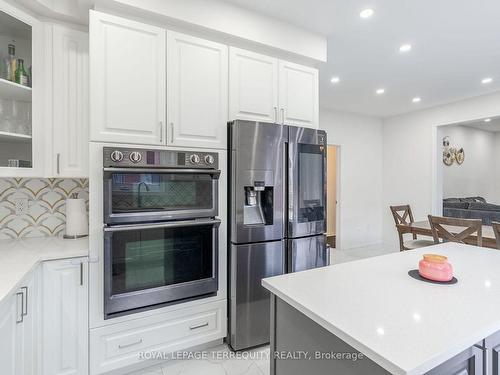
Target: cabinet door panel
197,91
65,317
253,86
299,95
70,102
127,80
8,326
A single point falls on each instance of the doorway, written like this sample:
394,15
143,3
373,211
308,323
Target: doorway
332,195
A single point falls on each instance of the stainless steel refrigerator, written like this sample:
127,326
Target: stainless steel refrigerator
277,217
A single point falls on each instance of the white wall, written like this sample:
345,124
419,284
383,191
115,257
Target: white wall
360,204
476,176
235,21
409,150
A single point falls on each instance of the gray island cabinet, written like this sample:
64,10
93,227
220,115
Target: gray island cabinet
370,317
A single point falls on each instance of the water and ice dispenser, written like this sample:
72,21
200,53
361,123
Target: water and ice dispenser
258,208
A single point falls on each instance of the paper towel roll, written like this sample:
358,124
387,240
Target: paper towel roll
76,218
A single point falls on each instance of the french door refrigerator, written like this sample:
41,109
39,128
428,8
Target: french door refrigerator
277,217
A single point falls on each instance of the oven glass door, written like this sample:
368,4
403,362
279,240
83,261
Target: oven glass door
147,265
132,196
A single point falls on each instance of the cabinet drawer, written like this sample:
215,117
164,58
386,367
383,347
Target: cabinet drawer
118,345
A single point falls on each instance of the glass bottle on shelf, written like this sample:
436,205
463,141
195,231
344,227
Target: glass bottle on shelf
21,75
10,63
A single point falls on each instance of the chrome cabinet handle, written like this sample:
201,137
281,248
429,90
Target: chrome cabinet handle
81,273
58,158
123,346
276,115
192,328
20,317
161,132
172,132
25,304
283,116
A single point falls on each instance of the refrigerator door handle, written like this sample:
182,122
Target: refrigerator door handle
291,177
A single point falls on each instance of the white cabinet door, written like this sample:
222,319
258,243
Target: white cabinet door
127,80
253,86
70,102
65,317
27,326
197,92
8,328
18,325
299,95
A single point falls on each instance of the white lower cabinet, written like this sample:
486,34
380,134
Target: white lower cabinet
18,335
64,339
120,345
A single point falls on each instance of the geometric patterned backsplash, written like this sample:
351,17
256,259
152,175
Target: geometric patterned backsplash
46,213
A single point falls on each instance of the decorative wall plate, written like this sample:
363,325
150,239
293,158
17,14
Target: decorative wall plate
449,156
460,156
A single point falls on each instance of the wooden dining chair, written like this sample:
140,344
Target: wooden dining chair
496,229
403,217
469,226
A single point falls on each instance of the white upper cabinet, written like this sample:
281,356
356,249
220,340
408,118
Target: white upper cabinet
127,86
299,95
197,92
70,103
253,86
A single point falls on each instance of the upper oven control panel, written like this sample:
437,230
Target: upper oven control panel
119,157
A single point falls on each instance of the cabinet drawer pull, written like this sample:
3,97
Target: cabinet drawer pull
276,115
172,131
283,116
192,328
123,346
161,132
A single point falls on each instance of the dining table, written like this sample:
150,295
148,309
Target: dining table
423,228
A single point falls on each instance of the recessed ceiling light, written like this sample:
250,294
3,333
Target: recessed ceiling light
380,91
487,120
335,80
366,13
416,99
405,48
487,80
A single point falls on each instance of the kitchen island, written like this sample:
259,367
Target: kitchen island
371,317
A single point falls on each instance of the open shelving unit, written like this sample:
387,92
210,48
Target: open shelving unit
14,91
14,137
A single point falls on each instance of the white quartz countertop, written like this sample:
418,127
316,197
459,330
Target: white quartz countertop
18,257
404,325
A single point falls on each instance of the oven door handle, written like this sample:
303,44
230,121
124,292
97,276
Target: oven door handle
214,172
172,224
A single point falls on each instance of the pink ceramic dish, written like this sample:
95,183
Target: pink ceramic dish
435,267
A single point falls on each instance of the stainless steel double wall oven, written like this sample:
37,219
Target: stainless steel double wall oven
277,217
161,230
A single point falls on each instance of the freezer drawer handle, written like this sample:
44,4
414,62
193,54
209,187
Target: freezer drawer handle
192,328
123,346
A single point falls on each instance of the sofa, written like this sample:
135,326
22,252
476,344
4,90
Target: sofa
471,208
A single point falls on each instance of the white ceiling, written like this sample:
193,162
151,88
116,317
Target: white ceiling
456,43
492,126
